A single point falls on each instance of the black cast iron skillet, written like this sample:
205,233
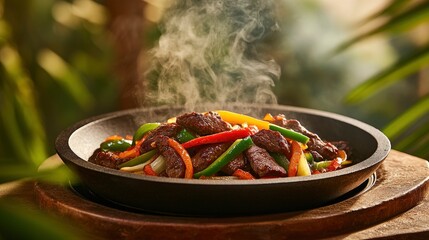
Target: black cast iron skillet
221,197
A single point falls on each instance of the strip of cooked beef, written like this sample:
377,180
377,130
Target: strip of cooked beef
263,164
326,149
316,156
207,154
238,163
166,129
203,124
106,159
343,145
272,141
175,167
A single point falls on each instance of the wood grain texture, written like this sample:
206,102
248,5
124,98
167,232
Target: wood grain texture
396,206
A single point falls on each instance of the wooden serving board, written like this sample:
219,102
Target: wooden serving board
402,184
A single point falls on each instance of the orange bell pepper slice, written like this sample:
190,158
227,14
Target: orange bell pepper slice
189,169
294,159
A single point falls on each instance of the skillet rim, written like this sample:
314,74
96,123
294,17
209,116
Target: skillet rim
69,156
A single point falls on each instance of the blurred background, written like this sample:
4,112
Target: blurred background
65,60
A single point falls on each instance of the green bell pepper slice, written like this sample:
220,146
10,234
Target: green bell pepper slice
281,160
310,158
291,134
230,154
185,136
326,163
142,130
139,159
118,145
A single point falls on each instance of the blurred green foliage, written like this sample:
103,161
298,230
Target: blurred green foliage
19,222
312,77
56,60
55,66
409,130
55,69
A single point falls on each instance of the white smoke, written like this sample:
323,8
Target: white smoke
207,54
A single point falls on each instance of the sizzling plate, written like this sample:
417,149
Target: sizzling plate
221,197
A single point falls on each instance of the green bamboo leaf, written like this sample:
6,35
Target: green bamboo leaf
14,171
402,22
422,149
392,8
62,72
396,72
19,221
405,120
58,175
5,31
416,143
32,133
24,127
12,130
414,139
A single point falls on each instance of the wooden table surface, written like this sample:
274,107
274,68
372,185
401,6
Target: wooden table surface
411,224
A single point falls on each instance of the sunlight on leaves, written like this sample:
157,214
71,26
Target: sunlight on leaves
408,132
90,10
396,72
389,10
62,13
404,21
417,138
64,74
20,114
57,175
400,124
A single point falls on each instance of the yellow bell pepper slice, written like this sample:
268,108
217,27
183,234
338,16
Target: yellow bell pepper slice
237,118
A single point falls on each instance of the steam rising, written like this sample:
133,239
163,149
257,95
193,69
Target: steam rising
207,54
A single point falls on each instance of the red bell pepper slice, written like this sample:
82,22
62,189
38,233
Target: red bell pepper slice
226,136
335,164
148,170
294,159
